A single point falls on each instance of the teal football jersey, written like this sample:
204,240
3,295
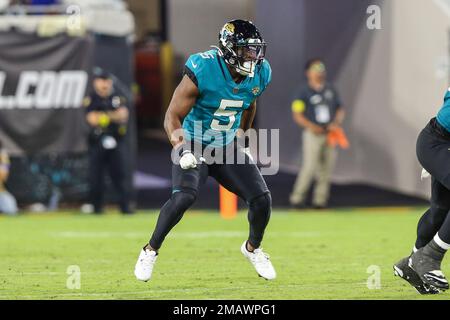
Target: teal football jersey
216,115
443,116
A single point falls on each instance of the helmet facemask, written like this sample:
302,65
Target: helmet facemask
248,56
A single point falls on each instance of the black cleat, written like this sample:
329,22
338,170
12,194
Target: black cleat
427,263
402,270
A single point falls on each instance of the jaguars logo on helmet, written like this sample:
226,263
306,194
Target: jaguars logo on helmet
241,46
229,27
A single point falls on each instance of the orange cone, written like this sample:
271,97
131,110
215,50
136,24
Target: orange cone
228,203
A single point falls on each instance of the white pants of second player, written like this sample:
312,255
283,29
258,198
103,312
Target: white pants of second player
318,163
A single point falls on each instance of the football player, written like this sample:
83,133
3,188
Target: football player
217,96
422,269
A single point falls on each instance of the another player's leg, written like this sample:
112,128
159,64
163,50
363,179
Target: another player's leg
427,227
429,224
184,192
246,181
432,220
432,152
433,241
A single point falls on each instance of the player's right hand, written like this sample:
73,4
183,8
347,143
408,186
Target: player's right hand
188,160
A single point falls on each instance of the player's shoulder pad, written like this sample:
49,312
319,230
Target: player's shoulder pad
265,72
447,96
201,65
201,61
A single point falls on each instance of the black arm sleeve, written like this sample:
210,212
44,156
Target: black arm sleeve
190,74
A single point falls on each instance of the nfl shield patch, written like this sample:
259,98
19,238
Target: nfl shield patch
255,90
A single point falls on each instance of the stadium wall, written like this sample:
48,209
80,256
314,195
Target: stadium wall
194,24
389,86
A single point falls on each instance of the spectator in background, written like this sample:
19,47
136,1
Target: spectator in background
107,115
8,204
317,109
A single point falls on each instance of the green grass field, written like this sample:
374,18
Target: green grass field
317,255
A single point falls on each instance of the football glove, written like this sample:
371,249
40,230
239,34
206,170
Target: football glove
188,160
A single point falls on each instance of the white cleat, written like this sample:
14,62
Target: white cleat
260,261
144,265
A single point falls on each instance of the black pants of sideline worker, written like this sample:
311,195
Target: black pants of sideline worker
112,161
433,152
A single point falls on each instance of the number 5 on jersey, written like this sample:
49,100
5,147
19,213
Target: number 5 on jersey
223,112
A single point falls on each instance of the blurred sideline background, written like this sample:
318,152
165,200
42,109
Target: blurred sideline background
389,85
